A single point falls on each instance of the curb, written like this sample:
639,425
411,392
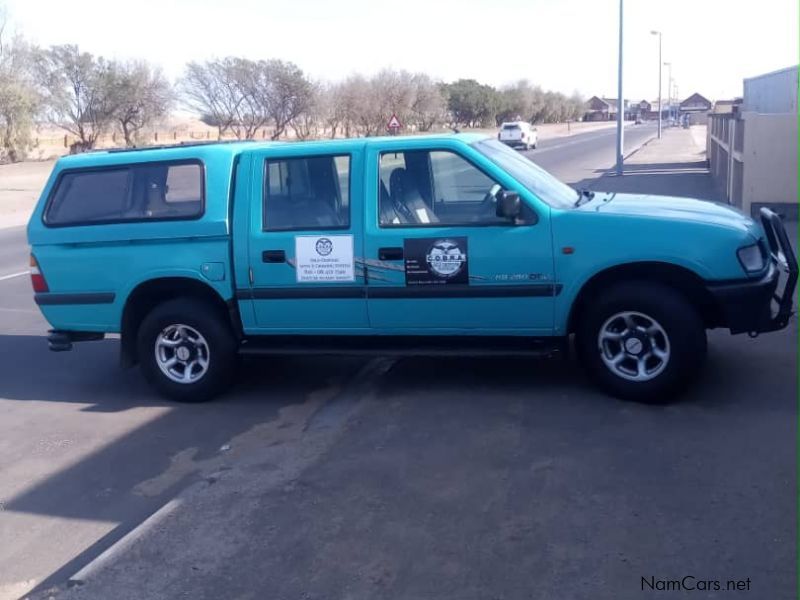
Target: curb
635,150
610,172
124,543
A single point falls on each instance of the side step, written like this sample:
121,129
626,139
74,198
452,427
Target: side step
402,345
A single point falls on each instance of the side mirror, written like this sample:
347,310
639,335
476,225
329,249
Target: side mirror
508,205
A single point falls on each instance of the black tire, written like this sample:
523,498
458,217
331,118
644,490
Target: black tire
220,344
684,332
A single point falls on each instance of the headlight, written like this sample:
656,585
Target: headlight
752,258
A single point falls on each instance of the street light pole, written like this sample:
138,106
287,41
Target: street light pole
669,87
620,101
658,33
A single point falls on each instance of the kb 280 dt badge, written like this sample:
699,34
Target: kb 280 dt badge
436,261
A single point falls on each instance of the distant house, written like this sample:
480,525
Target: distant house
696,109
597,109
604,109
644,110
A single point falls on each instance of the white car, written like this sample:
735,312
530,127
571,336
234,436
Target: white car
518,133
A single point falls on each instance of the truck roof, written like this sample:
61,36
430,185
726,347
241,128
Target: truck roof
227,150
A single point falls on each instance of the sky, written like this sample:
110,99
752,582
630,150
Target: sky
563,45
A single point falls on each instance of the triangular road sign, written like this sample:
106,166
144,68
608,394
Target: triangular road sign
394,122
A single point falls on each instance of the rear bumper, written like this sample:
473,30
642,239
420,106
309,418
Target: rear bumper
516,142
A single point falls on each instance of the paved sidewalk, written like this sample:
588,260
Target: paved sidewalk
675,165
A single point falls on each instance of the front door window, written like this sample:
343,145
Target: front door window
423,188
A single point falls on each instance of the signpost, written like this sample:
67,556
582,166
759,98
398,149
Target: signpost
394,125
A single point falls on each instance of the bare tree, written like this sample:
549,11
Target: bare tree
330,107
286,93
576,106
429,106
210,89
142,96
250,83
355,104
307,125
78,93
19,99
520,100
242,96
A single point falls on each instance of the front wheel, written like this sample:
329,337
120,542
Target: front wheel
641,341
187,350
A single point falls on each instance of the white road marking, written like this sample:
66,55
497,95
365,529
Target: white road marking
20,274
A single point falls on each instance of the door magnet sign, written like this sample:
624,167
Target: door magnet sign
324,258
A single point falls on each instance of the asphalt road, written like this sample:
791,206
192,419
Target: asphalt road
587,155
13,252
412,478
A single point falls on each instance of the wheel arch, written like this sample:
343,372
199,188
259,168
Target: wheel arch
152,292
687,282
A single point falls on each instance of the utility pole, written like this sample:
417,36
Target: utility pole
620,101
658,33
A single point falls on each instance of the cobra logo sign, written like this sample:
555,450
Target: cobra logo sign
324,246
445,258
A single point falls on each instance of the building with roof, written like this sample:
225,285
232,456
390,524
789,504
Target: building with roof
771,93
605,109
695,108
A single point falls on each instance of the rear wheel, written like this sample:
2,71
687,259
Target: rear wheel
187,350
641,341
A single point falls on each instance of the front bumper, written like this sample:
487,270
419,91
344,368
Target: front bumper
756,306
747,306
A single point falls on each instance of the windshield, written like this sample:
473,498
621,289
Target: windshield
533,177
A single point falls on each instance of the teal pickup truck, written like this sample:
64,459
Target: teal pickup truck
431,245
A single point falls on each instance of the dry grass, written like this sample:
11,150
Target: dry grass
51,143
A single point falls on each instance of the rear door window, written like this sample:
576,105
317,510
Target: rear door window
140,192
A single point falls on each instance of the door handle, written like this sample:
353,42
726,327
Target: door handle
273,256
390,253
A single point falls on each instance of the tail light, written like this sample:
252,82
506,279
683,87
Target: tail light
37,279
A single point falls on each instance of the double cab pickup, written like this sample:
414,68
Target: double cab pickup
426,245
